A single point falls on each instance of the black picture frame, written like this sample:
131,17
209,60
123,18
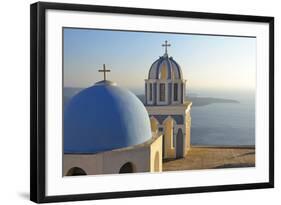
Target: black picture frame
38,103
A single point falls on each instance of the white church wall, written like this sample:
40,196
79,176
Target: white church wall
139,157
142,157
90,163
168,110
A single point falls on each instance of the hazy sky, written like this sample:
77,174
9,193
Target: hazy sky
207,62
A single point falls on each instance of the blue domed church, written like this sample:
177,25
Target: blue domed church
106,131
165,102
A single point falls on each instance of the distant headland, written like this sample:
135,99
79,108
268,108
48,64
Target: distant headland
194,98
201,101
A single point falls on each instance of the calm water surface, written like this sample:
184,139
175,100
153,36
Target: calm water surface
224,123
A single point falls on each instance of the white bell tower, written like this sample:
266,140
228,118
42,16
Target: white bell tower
165,102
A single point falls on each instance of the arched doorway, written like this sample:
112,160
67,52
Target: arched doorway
76,171
179,144
156,162
127,168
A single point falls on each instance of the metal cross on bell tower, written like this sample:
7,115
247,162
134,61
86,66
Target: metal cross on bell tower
104,72
166,45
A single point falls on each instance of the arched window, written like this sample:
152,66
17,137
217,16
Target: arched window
127,168
76,171
162,92
150,92
175,92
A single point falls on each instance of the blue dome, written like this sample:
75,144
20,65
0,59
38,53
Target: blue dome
104,117
165,64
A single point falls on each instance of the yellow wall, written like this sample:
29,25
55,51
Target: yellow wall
156,149
188,124
154,125
168,139
156,166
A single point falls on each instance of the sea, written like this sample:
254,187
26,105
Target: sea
218,118
224,124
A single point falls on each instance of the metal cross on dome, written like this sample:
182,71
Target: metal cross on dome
104,72
166,45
